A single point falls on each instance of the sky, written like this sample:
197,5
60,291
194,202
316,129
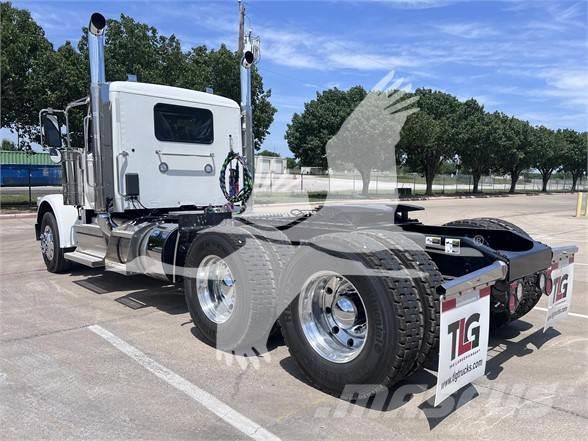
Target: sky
525,58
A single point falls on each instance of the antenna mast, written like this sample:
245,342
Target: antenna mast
241,27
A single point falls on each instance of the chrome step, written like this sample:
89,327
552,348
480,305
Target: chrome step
90,241
89,229
85,259
117,267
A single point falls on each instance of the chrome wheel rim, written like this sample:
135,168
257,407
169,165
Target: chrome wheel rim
47,243
333,317
215,288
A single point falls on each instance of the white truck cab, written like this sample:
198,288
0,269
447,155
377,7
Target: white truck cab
148,150
167,143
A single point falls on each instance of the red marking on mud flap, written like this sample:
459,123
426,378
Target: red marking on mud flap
571,259
485,291
448,304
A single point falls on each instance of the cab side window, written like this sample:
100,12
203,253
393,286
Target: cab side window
183,124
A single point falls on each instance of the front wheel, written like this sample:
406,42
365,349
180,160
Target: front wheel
53,254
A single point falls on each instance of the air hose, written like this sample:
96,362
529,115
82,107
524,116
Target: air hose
232,192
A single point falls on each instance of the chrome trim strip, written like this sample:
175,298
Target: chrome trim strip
563,251
484,276
160,153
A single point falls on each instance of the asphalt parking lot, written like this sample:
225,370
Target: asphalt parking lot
100,356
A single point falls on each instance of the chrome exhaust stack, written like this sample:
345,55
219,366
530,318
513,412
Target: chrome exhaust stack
96,29
101,117
249,56
247,60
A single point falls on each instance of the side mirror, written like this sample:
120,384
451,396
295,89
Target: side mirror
50,131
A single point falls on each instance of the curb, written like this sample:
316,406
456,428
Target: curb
17,215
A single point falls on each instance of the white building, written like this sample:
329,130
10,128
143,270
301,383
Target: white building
270,164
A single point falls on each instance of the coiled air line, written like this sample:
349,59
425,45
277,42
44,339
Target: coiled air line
233,193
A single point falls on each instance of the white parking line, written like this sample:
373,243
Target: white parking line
573,314
227,413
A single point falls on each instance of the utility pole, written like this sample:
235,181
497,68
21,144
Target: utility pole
240,43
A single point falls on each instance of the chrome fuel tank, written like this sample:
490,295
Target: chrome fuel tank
156,250
143,248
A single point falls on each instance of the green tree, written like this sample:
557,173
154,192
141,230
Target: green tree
476,137
513,149
35,76
291,163
8,145
137,48
221,72
449,167
24,49
308,132
368,137
575,156
268,153
428,137
547,152
61,79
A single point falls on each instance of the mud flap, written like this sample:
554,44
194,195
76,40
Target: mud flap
464,330
559,285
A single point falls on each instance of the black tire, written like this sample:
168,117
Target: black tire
392,307
275,243
531,292
280,250
426,277
531,296
490,223
54,258
245,332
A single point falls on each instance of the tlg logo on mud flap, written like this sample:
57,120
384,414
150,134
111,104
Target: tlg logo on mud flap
460,330
561,287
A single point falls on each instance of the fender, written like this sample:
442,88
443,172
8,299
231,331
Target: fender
66,216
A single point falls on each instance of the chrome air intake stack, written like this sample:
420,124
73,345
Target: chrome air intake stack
96,29
246,109
249,49
101,117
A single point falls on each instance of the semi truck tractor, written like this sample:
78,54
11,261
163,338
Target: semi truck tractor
363,294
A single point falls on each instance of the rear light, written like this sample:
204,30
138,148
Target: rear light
542,282
515,297
548,285
512,304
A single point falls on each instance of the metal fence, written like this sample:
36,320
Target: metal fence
26,175
410,184
273,187
28,169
